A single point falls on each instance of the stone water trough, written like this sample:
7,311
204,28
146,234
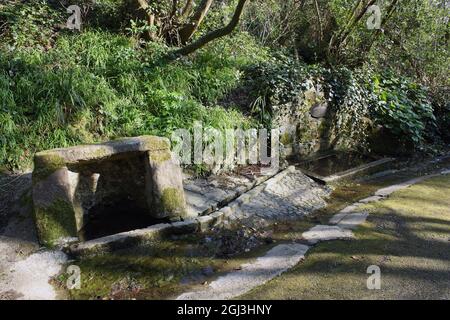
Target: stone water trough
129,183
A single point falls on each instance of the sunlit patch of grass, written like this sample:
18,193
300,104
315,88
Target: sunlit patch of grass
407,236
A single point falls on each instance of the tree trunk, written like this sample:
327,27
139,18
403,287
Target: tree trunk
187,9
336,42
143,5
214,34
189,29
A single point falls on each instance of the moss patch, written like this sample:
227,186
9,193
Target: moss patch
161,270
286,139
55,221
160,156
172,200
156,143
45,165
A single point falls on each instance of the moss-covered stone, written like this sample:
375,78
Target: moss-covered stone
172,201
45,164
160,156
55,221
156,143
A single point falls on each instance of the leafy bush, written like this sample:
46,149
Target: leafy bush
441,103
29,24
359,99
403,107
279,79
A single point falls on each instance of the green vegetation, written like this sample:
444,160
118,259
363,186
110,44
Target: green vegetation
119,76
172,201
55,222
406,235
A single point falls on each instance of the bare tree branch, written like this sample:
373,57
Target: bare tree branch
189,29
213,34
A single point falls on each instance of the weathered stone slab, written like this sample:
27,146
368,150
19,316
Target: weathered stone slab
273,263
199,204
227,212
55,214
185,227
350,208
95,152
29,277
217,217
353,220
325,233
121,240
337,217
384,192
205,222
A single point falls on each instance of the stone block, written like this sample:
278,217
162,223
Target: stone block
168,193
73,185
55,215
185,227
205,222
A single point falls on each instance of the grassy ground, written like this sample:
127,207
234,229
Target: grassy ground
407,236
171,268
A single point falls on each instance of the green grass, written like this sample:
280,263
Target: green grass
407,236
61,88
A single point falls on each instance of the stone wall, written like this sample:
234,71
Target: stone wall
309,124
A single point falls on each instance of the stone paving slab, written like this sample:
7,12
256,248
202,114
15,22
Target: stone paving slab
273,263
290,195
353,220
351,208
29,278
384,192
337,218
348,218
325,233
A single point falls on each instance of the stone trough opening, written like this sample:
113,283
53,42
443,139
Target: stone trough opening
338,165
112,194
87,192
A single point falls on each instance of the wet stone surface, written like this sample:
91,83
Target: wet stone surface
293,197
204,194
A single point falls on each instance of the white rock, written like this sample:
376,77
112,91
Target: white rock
324,233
